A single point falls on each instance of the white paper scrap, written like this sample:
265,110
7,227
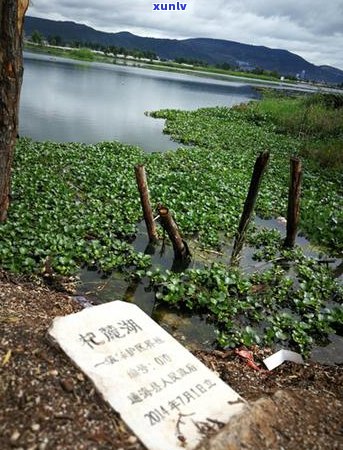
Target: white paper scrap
279,357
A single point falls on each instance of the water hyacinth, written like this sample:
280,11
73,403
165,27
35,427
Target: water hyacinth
77,205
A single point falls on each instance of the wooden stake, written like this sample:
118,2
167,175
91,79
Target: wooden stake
293,202
249,205
180,247
145,201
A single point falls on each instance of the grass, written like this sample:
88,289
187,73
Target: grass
328,154
84,54
316,120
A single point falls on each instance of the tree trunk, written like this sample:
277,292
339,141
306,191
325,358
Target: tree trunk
11,73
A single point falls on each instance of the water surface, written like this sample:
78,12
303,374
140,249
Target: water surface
64,100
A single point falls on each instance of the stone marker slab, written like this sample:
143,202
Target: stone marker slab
165,395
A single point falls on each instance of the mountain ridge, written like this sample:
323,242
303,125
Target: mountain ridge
211,51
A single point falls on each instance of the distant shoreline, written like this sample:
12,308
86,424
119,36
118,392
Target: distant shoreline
213,73
217,74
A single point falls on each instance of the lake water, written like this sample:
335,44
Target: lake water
64,100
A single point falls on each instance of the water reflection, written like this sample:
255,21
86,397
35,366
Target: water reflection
70,101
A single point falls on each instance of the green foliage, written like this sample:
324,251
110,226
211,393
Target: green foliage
37,37
190,61
218,172
55,40
328,100
326,153
316,120
82,53
78,205
261,308
73,203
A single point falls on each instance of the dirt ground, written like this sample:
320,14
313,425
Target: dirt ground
46,403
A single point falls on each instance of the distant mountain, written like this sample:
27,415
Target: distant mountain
211,51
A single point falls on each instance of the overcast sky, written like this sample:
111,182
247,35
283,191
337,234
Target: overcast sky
311,28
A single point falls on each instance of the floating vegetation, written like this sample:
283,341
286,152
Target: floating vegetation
76,205
73,204
263,307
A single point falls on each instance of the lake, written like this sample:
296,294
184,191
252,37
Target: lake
64,100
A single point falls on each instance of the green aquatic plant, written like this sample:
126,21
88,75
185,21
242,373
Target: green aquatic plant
77,205
69,205
261,308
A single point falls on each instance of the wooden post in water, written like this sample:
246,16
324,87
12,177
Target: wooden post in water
145,201
180,247
293,202
249,205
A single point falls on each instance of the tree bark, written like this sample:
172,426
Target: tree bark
11,74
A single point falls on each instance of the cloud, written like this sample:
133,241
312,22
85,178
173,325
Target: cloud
311,28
